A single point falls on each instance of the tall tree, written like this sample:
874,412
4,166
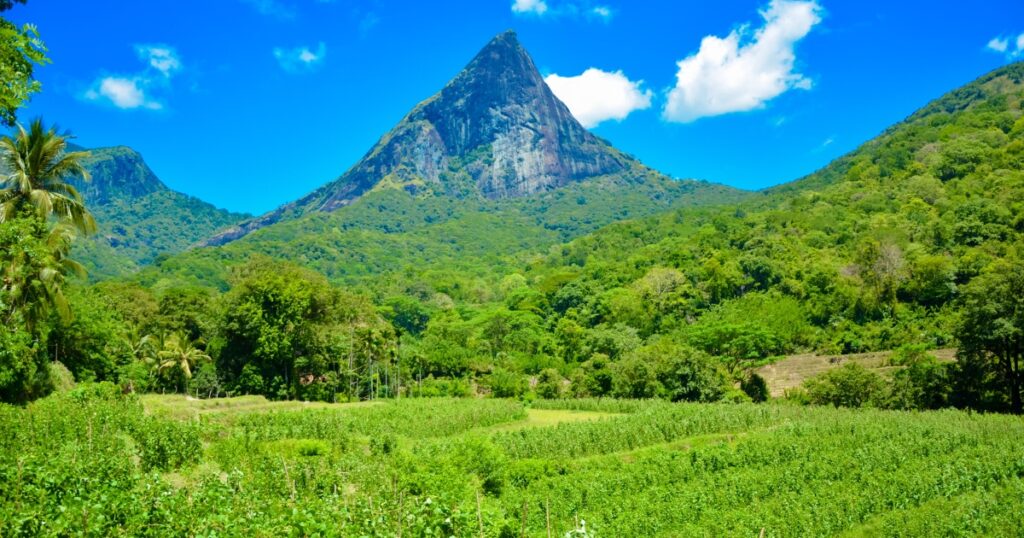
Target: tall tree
178,358
991,330
20,51
34,270
36,259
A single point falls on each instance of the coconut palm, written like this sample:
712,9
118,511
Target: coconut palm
33,282
178,355
142,346
39,166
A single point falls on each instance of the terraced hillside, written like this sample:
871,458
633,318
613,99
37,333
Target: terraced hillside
792,371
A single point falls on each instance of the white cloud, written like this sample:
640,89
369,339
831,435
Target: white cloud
159,57
602,12
125,93
741,71
998,44
596,96
136,91
1012,47
300,58
537,7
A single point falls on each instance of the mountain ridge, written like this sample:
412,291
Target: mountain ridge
138,215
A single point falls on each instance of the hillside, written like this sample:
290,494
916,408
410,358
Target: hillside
139,217
868,254
791,372
390,230
992,102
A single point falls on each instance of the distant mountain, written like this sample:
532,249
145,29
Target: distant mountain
495,131
139,217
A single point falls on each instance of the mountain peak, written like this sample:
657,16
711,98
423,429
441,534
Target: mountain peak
508,38
503,49
118,173
495,130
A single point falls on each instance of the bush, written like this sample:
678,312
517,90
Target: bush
136,376
506,384
440,387
755,386
692,376
61,378
23,375
924,384
851,385
550,384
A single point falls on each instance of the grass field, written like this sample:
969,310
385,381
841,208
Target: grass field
95,463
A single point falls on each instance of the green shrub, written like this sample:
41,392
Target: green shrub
850,385
756,387
550,384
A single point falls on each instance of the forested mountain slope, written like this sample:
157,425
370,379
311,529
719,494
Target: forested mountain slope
869,253
138,216
391,230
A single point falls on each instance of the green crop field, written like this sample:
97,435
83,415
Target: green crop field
94,462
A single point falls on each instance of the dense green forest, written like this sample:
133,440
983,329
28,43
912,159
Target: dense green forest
884,249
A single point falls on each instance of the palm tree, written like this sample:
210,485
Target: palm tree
142,347
39,166
179,356
34,283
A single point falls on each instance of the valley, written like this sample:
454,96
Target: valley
495,323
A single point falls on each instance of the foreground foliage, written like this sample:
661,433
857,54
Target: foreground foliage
92,462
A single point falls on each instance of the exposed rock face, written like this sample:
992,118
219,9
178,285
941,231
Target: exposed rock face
496,123
117,173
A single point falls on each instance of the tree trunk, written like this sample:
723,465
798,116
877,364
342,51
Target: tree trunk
1013,365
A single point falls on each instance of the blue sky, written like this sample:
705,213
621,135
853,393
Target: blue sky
249,104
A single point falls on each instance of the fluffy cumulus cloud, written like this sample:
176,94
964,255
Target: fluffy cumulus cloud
999,44
122,92
137,91
745,69
300,59
596,96
1012,47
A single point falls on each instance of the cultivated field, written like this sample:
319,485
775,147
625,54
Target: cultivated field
93,462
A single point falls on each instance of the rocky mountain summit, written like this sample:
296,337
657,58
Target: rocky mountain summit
495,130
